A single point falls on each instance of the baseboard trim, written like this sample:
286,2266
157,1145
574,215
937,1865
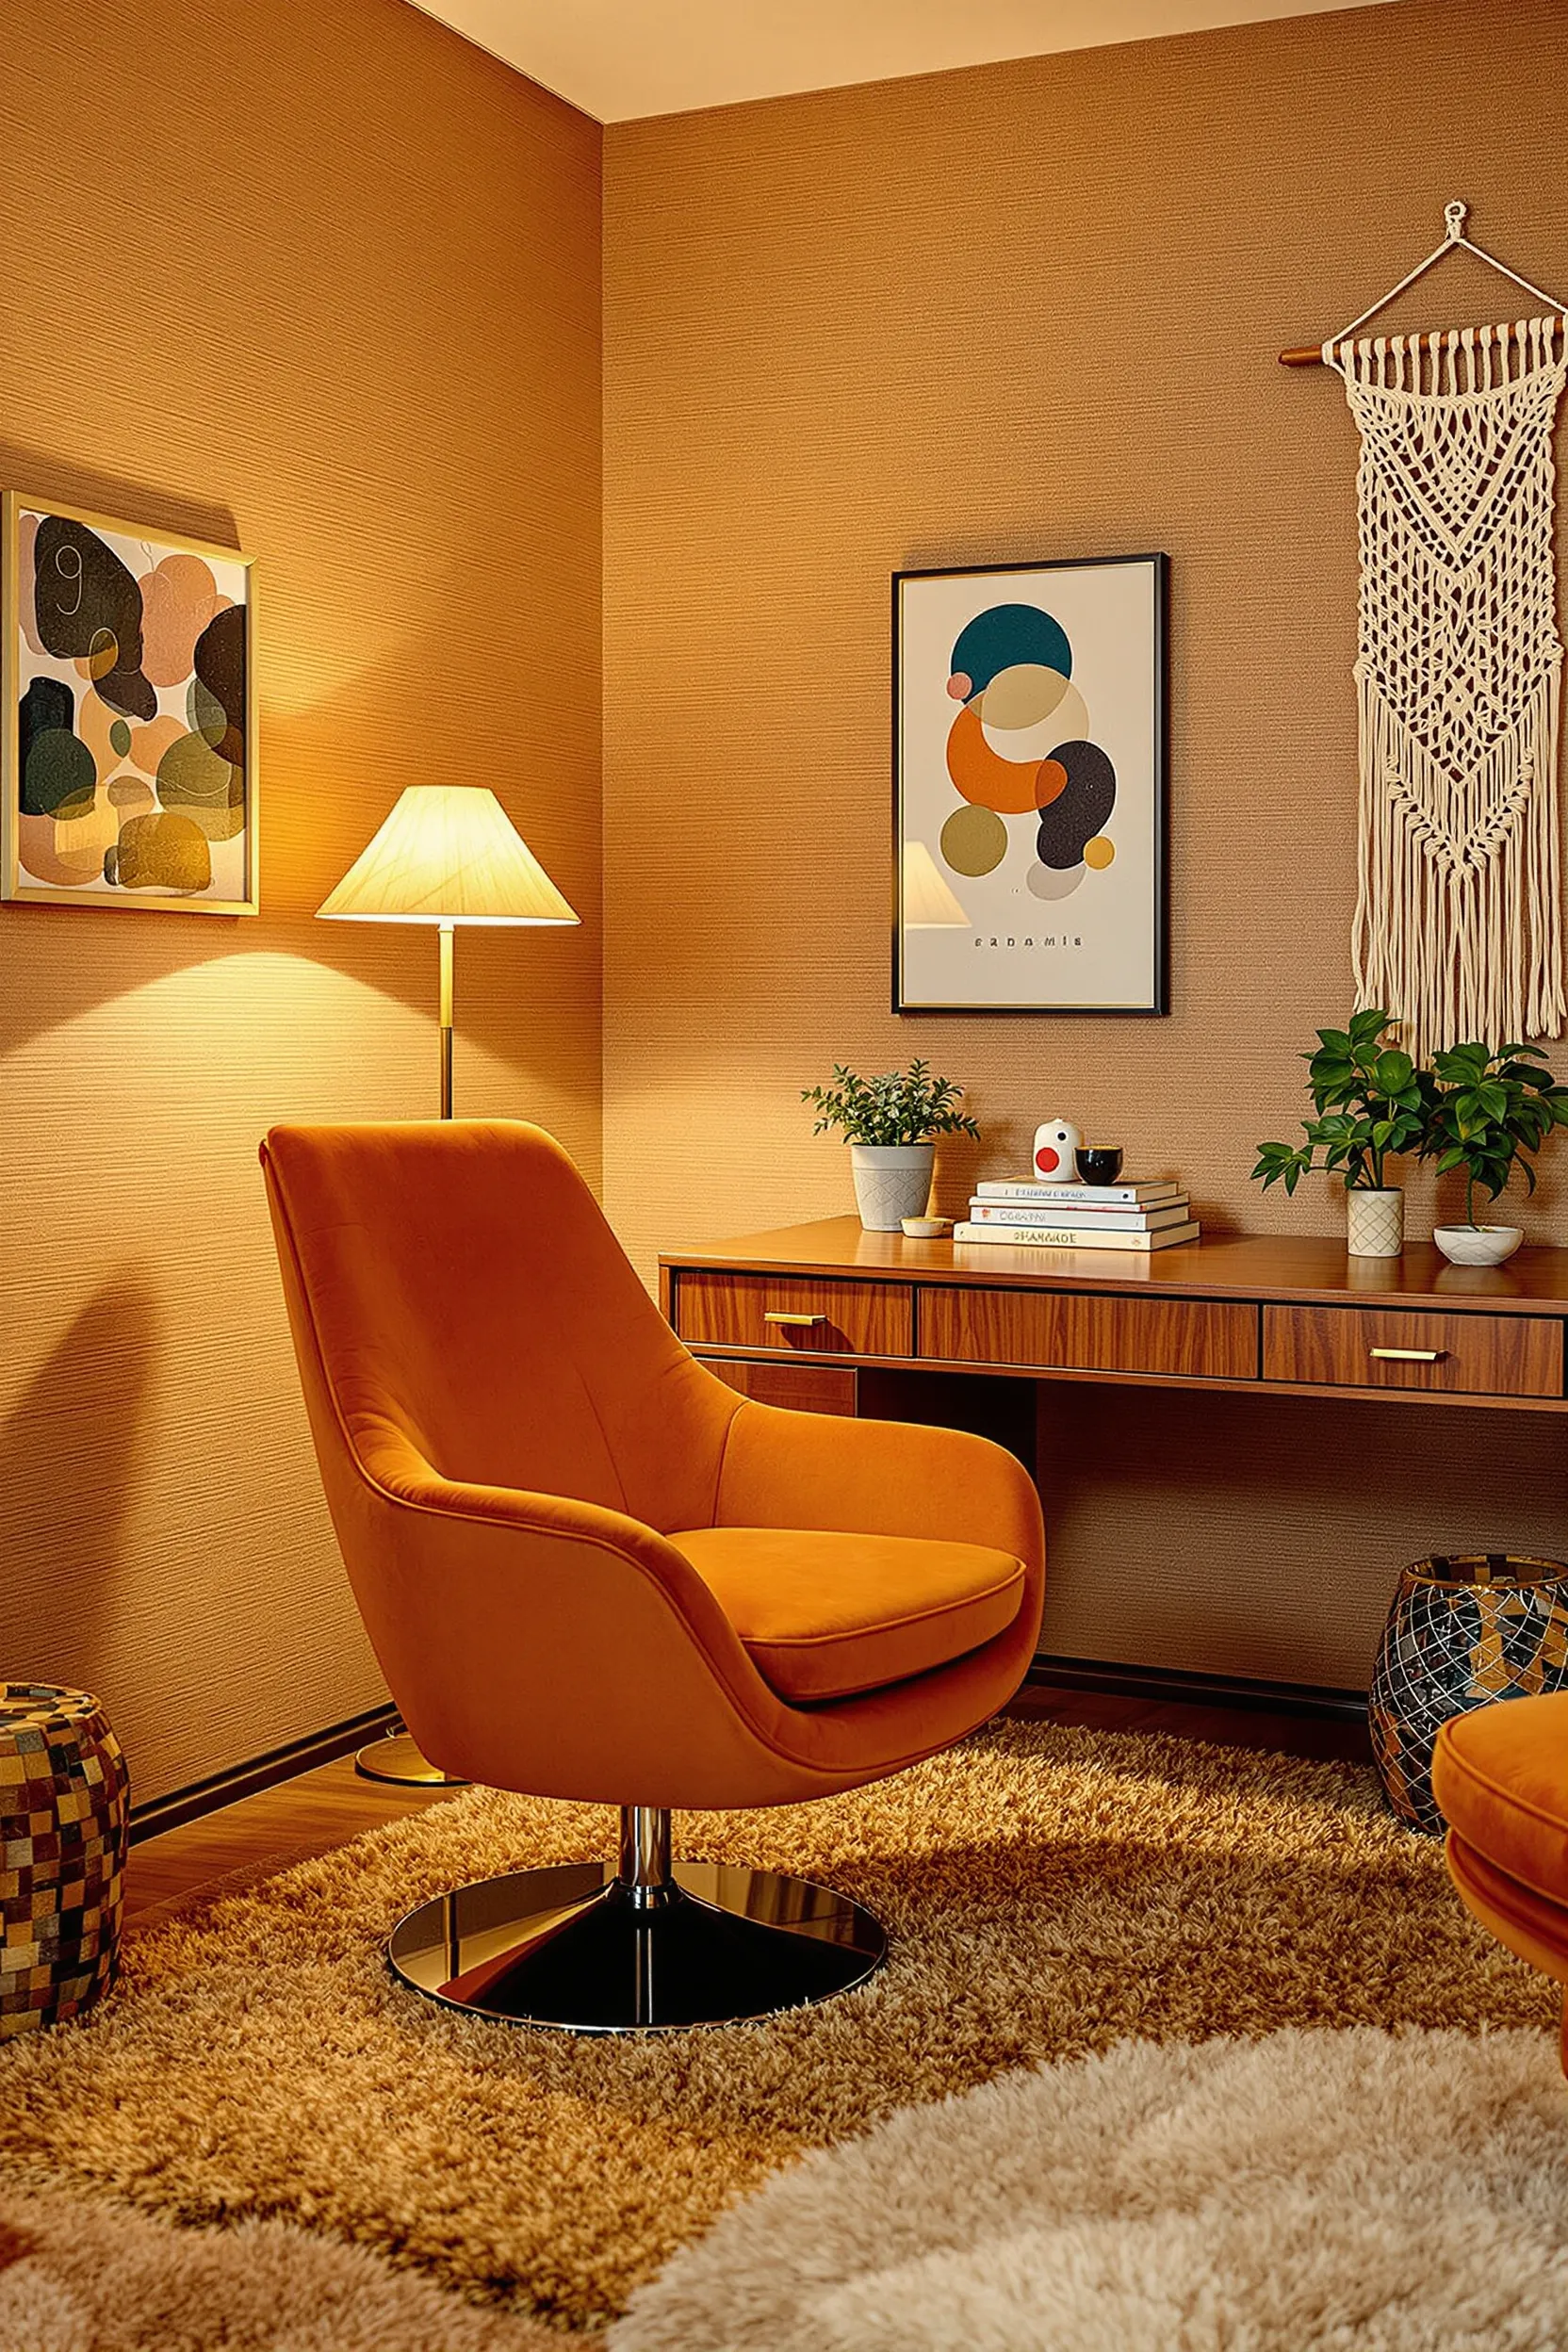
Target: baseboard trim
259,1771
1170,1682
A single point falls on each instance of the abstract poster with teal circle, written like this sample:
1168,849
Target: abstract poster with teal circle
1030,768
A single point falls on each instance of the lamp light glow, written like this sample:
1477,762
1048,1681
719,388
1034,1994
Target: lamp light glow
928,902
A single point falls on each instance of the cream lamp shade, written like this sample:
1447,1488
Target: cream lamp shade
448,854
928,902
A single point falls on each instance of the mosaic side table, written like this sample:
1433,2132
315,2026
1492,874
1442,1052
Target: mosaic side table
1462,1632
63,1788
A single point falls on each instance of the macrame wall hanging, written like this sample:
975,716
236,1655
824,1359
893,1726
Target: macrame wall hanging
1458,927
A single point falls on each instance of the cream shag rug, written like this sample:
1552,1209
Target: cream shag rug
1311,2193
1051,1892
76,2277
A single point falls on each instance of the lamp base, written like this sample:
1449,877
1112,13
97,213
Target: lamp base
401,1760
581,1949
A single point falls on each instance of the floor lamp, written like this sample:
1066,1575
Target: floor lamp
447,854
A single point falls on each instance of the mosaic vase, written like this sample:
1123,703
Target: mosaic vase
63,1807
1461,1633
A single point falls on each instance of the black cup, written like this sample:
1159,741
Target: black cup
1099,1163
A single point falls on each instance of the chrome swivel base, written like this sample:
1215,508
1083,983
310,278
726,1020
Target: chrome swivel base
401,1760
651,1947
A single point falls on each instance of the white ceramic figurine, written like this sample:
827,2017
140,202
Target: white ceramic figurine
1057,1146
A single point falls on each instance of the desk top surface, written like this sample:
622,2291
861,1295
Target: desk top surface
1314,1269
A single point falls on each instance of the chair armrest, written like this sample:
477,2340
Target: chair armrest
401,1473
532,1640
786,1469
398,1473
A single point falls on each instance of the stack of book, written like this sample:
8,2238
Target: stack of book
1153,1216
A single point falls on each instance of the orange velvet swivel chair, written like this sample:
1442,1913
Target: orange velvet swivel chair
591,1570
1500,1777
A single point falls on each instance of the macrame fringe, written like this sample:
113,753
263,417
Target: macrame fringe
1458,927
1469,947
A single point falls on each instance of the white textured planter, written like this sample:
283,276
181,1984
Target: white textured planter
1375,1223
893,1181
1478,1244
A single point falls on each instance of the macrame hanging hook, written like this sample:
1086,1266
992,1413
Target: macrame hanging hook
1454,215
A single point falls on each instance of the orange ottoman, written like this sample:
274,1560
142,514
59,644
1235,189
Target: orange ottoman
1500,1776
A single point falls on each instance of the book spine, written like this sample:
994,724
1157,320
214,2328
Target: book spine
1092,1220
1074,1236
1081,1196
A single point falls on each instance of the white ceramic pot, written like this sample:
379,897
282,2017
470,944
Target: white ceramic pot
1478,1244
893,1181
1375,1223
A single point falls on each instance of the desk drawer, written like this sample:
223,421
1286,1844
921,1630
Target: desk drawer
819,1318
798,1387
1487,1355
1082,1332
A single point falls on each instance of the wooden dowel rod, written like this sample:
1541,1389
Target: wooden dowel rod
1312,356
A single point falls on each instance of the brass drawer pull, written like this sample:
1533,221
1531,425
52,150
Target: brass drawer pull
1409,1355
796,1322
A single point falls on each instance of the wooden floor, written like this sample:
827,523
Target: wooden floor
249,1840
232,1848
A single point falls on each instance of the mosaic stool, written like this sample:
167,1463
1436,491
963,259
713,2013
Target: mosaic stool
62,1853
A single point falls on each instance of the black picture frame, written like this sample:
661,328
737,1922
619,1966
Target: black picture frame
1154,950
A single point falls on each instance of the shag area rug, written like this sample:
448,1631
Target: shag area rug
1051,1892
1306,2193
76,2277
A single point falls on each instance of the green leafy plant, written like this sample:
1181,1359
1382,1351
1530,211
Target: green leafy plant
1492,1111
1370,1101
898,1107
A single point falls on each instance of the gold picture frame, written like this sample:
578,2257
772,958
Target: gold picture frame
153,771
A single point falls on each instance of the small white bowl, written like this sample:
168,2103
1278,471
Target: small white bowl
1478,1244
925,1227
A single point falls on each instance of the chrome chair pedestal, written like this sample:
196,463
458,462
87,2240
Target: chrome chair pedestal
649,1946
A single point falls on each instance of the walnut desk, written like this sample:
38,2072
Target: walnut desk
828,1318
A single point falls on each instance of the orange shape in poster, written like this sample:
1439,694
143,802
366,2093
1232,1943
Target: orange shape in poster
1005,785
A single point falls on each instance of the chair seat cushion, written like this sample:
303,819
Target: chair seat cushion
1530,1926
824,1616
1500,1774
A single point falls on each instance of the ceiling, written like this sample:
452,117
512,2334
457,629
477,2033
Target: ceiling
620,59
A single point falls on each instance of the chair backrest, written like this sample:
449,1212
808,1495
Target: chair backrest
462,1284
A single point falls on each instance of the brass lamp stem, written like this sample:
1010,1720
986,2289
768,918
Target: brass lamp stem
448,935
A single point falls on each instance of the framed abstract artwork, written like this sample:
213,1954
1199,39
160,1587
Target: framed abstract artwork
127,705
1029,787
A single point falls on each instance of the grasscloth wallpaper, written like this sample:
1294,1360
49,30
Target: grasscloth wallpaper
325,285
322,284
1027,311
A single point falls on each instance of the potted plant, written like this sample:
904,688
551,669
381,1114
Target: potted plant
890,1124
1371,1104
1493,1111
